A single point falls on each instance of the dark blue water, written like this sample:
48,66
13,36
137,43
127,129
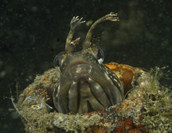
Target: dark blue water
33,32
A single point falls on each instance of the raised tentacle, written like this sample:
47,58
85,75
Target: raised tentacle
110,17
75,22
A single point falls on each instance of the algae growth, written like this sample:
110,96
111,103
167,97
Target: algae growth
148,106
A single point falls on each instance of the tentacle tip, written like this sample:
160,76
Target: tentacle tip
113,14
112,17
76,22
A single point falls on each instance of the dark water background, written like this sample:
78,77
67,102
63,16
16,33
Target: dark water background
32,32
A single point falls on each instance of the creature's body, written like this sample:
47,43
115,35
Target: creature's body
83,94
85,83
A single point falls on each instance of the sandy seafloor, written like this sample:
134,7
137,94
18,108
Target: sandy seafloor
33,32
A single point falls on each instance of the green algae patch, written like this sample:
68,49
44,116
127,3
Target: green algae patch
157,116
147,105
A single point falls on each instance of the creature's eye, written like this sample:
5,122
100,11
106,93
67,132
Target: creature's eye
56,61
59,59
99,54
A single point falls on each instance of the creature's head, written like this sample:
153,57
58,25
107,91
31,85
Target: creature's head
86,84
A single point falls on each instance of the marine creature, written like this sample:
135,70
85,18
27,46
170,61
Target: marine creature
85,83
84,95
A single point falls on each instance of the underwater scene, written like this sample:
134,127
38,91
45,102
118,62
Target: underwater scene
88,66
